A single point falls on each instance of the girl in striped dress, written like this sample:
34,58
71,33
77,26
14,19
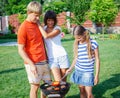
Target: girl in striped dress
86,54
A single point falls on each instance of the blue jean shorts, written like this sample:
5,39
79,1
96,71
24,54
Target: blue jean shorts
82,78
59,62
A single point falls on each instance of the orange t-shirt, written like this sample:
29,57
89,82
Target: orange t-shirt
30,35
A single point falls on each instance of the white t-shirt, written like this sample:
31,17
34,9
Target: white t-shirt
54,45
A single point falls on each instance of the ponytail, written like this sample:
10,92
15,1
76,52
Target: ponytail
89,46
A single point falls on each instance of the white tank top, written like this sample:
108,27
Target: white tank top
54,45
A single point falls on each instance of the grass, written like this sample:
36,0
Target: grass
14,83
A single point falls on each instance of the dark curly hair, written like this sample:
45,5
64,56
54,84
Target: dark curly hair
50,15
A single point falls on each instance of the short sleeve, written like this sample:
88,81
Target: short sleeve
94,44
45,27
21,36
57,28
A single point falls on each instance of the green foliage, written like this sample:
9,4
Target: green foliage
2,8
65,30
79,9
11,28
103,11
114,36
22,17
117,3
13,6
7,40
19,9
58,7
8,36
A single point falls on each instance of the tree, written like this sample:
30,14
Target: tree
8,7
103,11
118,3
56,6
41,1
2,7
79,9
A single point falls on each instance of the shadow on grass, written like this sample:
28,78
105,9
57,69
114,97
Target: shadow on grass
10,70
116,94
113,82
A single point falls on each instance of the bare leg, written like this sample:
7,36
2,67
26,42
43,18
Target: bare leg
56,73
89,91
34,90
82,92
42,95
63,71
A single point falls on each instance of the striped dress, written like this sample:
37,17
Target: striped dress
83,63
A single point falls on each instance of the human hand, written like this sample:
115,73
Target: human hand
68,71
33,69
38,22
96,80
62,34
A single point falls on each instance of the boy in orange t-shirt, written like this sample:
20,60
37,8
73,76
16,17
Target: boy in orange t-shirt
31,49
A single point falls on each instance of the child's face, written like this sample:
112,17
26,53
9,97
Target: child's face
80,38
50,22
33,17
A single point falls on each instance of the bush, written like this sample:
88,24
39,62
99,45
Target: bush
65,30
114,36
8,36
14,23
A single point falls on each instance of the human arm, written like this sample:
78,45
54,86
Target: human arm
51,34
75,49
25,57
96,80
72,65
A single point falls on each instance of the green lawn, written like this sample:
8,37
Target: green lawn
14,83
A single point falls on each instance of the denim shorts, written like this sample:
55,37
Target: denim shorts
82,78
59,62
